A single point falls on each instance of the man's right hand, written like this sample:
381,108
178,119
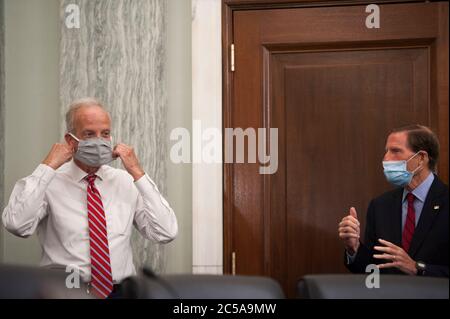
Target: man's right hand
349,231
59,154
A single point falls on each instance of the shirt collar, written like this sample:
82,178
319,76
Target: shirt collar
77,174
421,191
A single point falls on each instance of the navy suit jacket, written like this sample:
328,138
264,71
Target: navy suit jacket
430,240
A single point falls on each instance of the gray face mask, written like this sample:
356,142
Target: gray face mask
93,152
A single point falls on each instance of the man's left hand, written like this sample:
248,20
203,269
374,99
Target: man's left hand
129,160
397,256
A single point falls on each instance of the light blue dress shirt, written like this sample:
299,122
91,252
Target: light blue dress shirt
420,192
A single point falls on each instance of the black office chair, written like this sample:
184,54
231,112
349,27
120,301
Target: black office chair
149,286
354,287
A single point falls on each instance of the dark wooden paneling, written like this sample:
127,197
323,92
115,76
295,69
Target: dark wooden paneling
336,107
439,88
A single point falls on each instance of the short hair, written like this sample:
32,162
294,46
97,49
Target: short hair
75,106
422,138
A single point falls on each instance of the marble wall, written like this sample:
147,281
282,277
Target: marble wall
2,108
118,56
2,117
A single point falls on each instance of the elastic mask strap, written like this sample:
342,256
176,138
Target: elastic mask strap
413,156
74,137
417,168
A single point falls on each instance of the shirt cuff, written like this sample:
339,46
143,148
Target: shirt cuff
145,184
350,258
148,189
44,172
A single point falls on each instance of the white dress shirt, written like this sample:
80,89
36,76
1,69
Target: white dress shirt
55,204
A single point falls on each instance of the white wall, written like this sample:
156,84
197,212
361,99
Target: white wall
32,110
207,184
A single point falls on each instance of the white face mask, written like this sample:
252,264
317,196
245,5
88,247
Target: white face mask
93,152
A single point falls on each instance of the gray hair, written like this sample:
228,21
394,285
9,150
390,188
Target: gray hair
75,106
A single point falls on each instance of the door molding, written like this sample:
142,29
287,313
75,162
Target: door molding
273,4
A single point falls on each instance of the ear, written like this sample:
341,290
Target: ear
68,138
70,141
424,157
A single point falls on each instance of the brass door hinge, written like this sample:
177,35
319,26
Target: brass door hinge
233,263
232,66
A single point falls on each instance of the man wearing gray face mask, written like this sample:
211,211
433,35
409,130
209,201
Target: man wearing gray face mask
83,210
94,152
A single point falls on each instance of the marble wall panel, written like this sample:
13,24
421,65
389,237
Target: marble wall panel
118,56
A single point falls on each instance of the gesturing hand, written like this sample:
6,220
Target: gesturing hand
349,231
397,256
129,160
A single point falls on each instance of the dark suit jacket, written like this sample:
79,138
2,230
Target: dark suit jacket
430,240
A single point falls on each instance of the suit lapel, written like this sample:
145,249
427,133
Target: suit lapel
430,211
396,221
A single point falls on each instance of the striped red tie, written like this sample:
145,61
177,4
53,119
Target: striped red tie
410,224
101,275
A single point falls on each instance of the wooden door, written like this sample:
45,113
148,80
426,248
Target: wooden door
334,89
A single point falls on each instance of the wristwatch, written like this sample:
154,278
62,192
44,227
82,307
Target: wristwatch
421,268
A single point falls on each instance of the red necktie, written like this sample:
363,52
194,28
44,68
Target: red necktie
410,224
101,275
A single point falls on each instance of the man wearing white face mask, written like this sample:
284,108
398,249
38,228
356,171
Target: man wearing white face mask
83,210
407,228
